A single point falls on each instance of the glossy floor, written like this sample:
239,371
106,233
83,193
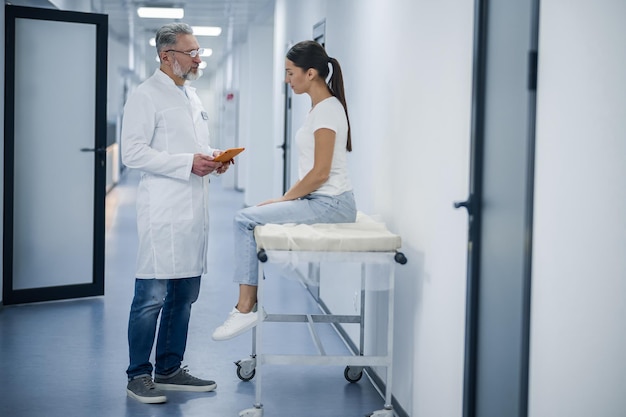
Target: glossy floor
68,359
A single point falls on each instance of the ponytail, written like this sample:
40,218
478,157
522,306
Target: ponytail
335,84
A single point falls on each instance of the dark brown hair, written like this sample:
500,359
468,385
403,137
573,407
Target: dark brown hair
310,54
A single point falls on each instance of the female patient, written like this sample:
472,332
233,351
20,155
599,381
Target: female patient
323,193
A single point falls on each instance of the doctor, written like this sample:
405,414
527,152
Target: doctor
165,135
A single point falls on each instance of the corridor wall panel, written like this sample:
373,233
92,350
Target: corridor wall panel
578,339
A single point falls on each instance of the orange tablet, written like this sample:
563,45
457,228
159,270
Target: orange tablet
228,154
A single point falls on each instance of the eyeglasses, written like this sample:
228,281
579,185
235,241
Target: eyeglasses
192,54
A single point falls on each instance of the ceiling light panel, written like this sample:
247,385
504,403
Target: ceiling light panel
161,12
206,30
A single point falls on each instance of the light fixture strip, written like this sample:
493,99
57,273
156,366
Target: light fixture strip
206,30
161,12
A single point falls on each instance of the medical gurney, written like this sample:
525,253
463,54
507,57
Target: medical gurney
366,242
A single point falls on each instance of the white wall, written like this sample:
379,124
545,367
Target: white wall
257,128
407,72
278,91
226,82
578,337
117,62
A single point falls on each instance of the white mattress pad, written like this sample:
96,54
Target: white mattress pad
364,235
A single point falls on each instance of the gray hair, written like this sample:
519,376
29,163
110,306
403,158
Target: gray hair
168,34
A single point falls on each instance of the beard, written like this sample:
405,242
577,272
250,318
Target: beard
188,75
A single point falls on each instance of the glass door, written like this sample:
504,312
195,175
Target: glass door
55,154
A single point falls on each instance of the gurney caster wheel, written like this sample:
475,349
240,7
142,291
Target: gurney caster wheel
246,369
400,258
353,374
382,413
251,412
245,376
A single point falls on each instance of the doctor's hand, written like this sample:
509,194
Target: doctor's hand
225,165
223,168
204,165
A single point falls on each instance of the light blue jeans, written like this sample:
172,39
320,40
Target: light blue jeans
310,209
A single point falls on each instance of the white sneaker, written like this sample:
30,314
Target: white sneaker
236,324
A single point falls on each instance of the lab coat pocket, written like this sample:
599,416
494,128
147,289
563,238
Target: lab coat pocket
170,200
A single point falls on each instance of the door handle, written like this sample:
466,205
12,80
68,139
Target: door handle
97,150
467,204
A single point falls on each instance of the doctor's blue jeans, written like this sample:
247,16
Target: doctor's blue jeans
310,209
172,298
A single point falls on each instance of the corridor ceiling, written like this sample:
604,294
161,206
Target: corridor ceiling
233,16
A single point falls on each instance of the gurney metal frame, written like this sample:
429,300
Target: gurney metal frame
249,367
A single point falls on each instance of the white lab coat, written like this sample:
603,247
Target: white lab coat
161,130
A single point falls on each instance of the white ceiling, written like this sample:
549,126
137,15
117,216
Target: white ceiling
233,16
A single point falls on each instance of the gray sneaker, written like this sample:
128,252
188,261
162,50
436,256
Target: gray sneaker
143,389
182,380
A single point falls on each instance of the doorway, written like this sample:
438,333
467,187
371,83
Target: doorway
500,207
55,155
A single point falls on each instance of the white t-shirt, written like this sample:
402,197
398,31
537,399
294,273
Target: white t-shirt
328,114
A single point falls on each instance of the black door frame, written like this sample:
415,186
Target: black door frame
475,328
96,286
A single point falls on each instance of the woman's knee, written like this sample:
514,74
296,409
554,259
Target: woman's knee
247,218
